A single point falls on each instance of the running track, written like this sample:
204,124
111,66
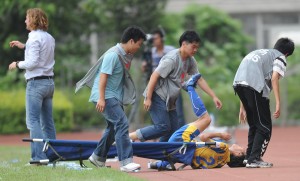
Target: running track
283,151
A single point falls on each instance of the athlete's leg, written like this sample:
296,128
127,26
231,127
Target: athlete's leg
197,104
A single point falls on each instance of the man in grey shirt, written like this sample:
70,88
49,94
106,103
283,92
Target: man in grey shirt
164,87
159,50
257,75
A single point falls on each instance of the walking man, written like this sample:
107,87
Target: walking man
112,87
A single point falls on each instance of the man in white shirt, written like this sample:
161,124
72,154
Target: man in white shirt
38,63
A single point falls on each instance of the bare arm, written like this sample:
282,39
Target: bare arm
275,85
207,136
102,85
151,85
242,114
17,44
205,87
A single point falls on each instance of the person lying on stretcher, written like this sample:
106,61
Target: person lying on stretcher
204,157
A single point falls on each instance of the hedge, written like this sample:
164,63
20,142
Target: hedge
13,116
85,115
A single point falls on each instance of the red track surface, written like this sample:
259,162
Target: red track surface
283,151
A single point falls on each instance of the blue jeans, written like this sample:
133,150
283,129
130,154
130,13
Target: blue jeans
116,130
39,120
165,122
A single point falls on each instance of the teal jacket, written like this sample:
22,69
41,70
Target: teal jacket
129,95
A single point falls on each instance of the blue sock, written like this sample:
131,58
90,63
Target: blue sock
197,104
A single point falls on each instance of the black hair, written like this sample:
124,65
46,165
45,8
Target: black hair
133,32
158,31
285,46
190,37
236,161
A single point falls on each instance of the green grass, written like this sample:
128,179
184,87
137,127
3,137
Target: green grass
14,158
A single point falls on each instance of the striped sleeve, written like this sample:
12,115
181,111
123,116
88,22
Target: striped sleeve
279,65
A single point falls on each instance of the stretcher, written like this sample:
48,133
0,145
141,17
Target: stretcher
73,150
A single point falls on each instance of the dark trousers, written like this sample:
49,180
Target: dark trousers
259,120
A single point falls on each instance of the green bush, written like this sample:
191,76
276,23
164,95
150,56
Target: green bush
228,115
85,115
13,115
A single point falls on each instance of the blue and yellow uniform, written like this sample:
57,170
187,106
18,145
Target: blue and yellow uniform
204,157
186,133
208,157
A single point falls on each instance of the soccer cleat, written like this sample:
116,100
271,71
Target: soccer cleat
259,164
96,162
157,165
193,80
131,167
152,165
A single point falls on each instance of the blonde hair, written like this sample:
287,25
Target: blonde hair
38,19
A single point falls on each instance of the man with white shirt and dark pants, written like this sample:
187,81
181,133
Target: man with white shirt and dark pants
38,63
257,75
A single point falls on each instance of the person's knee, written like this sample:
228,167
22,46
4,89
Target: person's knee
163,128
266,133
203,122
206,119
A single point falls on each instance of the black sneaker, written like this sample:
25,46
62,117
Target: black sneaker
259,164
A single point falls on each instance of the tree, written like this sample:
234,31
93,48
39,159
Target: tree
64,24
71,24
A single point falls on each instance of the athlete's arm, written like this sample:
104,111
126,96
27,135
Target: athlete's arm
208,136
275,85
205,87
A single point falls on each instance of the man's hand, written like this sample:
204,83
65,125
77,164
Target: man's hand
12,66
276,114
275,85
242,116
225,136
217,102
147,104
17,44
100,105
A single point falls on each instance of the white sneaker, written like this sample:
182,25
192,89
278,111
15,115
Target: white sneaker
96,162
130,167
259,164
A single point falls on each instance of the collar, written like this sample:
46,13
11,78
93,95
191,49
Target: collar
121,49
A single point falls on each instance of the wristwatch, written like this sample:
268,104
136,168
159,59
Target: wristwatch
17,64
